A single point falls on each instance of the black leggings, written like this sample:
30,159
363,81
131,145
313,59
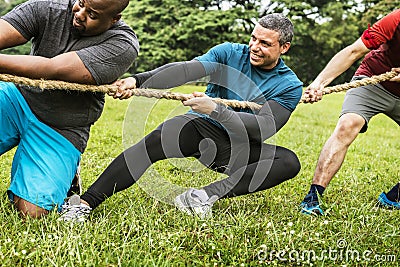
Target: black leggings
250,167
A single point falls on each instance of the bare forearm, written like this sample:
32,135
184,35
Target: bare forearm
27,66
69,69
341,62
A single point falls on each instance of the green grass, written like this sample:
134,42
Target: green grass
134,229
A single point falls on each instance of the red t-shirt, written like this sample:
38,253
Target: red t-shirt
383,38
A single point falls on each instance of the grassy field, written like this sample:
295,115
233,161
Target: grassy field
263,229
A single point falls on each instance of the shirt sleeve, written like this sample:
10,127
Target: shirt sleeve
258,126
382,31
170,75
25,18
109,59
216,56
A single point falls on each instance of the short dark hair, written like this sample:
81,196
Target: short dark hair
279,23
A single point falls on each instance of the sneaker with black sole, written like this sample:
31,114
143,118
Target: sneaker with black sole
74,211
310,205
189,203
385,202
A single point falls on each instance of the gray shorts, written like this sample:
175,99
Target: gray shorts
370,100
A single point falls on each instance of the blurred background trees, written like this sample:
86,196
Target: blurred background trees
177,30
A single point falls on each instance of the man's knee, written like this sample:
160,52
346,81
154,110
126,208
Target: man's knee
26,208
287,162
349,125
292,164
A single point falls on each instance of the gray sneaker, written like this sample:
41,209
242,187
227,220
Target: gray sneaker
189,203
74,211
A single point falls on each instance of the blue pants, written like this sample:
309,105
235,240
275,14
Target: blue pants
44,163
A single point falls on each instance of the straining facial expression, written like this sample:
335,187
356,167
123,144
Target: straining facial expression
92,17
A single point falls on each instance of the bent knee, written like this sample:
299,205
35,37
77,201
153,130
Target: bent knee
291,163
350,123
28,209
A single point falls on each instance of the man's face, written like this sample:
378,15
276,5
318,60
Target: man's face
265,49
92,17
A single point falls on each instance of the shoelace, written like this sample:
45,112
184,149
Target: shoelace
75,211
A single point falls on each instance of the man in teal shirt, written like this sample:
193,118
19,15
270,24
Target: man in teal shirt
226,140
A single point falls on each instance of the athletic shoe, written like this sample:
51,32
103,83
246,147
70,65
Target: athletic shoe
74,210
385,202
189,203
310,205
76,185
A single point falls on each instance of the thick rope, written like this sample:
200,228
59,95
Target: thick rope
354,84
151,93
60,85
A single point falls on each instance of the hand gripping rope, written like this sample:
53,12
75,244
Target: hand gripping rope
151,93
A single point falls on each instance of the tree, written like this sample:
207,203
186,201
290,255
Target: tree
3,7
6,6
376,9
174,30
324,27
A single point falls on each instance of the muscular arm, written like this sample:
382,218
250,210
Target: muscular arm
341,62
67,67
9,36
336,66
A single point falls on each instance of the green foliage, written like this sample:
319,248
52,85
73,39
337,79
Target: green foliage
3,7
322,28
181,30
376,9
6,6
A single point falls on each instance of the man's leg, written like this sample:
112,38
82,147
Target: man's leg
44,162
331,158
11,117
274,166
76,185
176,138
391,199
42,170
263,166
28,209
334,151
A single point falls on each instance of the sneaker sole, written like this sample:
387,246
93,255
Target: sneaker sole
383,203
316,211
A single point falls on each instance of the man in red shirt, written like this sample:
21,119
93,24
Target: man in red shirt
380,44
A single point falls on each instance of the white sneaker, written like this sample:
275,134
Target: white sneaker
191,204
74,210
